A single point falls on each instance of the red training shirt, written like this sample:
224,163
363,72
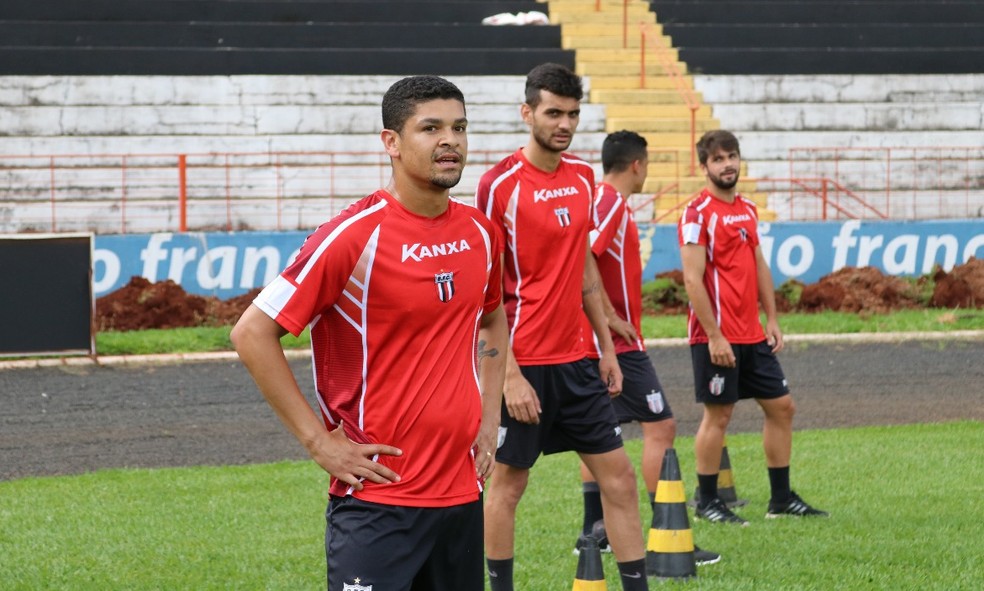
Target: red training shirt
543,219
394,301
729,231
615,245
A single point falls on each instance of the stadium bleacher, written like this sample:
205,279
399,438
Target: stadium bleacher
238,37
825,36
167,77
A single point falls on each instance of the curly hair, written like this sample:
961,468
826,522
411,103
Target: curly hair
402,98
553,78
715,140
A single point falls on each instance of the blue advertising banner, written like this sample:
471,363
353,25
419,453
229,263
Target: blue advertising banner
205,263
229,264
807,251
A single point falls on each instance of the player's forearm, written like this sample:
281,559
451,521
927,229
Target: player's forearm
593,302
767,295
493,346
256,338
701,304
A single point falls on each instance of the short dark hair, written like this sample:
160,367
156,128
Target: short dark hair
714,140
402,98
554,78
620,149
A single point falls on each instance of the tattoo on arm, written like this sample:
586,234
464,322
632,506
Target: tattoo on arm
483,352
590,289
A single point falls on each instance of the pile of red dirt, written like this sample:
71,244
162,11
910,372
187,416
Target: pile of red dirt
859,289
963,287
141,304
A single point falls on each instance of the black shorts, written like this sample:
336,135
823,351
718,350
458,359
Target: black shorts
642,397
395,548
577,416
757,374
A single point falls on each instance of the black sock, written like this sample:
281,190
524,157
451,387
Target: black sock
708,484
592,506
500,574
633,575
779,483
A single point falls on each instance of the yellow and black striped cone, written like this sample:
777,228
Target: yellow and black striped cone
590,573
726,482
670,547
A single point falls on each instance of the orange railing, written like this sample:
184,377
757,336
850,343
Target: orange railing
124,193
905,183
669,65
816,199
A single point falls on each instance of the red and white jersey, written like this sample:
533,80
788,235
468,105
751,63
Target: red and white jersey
729,231
544,219
615,245
394,302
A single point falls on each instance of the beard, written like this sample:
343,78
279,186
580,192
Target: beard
446,180
718,182
544,141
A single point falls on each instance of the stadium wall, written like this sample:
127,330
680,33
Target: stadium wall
229,264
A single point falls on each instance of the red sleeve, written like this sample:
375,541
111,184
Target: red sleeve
486,203
609,209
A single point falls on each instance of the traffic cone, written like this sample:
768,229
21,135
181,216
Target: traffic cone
590,574
726,482
670,547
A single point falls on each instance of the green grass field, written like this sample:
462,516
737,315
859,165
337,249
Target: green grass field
905,503
186,340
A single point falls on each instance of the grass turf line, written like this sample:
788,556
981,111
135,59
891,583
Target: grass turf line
904,502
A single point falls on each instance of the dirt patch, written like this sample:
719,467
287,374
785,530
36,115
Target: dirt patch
860,289
141,304
963,287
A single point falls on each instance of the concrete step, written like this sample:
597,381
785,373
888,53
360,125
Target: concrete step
566,16
775,145
957,170
627,68
906,205
605,29
614,39
235,90
635,83
586,143
627,55
867,117
245,120
661,124
639,97
887,88
655,110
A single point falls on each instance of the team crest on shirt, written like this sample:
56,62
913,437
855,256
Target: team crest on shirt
563,216
744,234
445,285
355,586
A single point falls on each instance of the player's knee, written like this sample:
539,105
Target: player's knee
620,484
507,486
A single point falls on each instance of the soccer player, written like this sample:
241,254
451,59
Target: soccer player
540,198
402,292
615,246
727,279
